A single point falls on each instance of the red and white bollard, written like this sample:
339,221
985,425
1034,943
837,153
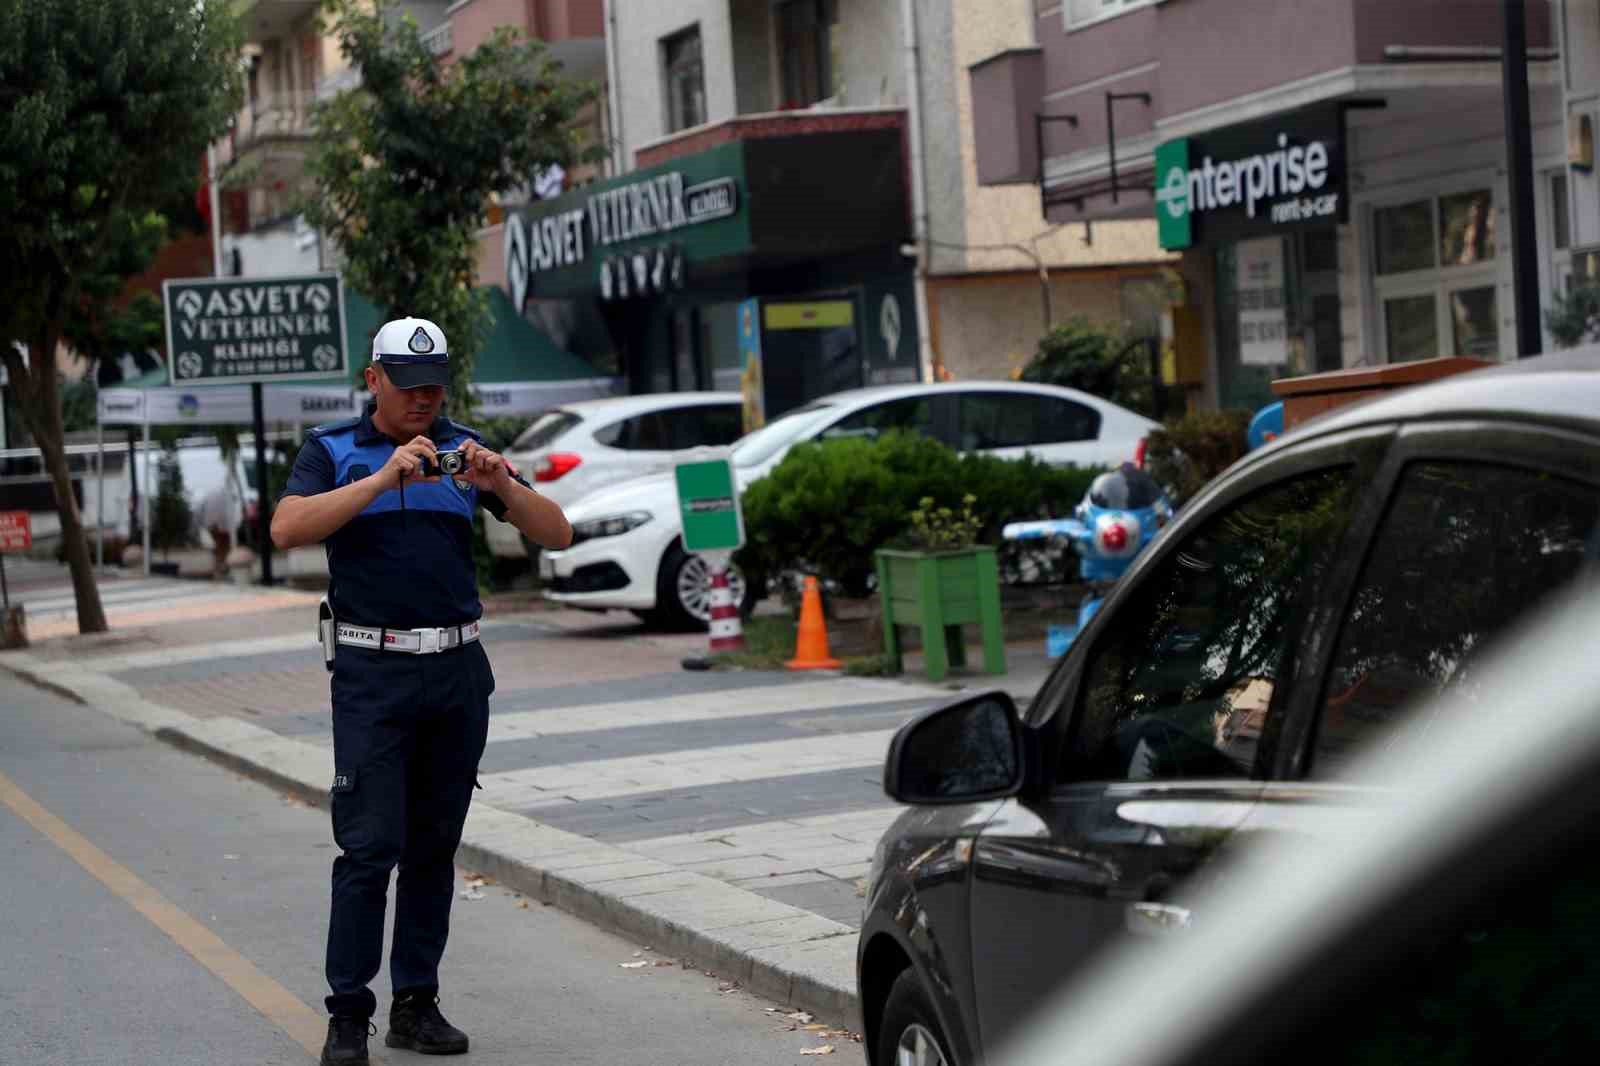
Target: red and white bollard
726,632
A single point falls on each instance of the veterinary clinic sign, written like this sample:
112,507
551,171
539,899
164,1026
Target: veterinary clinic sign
254,329
1254,179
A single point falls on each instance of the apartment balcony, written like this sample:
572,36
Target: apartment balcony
573,30
777,124
265,20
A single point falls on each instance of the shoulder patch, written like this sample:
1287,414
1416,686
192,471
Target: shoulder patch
333,427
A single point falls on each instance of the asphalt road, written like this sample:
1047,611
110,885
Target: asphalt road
160,909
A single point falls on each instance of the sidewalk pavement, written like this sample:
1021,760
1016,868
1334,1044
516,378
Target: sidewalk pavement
726,817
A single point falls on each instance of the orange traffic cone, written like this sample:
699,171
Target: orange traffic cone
811,651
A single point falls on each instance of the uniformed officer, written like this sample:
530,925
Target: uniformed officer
411,682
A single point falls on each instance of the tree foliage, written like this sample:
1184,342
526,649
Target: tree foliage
105,109
1081,354
1574,316
404,164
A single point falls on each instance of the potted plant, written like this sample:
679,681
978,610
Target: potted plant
943,581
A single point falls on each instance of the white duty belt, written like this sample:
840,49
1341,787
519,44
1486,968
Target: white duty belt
409,641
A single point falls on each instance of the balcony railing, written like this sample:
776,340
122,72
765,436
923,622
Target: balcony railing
438,40
274,115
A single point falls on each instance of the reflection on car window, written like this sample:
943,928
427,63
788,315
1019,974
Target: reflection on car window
1180,685
914,413
1464,552
1515,979
1019,419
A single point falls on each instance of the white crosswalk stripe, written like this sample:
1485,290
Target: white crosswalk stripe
639,774
697,707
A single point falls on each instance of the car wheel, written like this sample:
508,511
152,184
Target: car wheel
910,1034
683,590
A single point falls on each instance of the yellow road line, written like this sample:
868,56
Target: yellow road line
280,1006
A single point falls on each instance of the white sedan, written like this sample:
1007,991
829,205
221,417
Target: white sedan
627,552
571,450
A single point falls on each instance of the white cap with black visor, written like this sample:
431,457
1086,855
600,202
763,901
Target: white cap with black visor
413,353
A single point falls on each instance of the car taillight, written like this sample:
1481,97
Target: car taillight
555,465
1138,452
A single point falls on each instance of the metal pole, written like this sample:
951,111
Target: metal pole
144,501
100,494
263,518
5,594
1519,179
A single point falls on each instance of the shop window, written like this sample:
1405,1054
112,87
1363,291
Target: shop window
1278,313
685,80
1435,276
1081,12
805,51
1560,215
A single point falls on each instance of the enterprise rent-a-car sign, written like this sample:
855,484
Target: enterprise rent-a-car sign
1251,180
254,329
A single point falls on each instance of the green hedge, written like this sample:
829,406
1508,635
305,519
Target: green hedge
830,504
1188,452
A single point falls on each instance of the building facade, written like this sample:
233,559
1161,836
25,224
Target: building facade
806,168
1336,187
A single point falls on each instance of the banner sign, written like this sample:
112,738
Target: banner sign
254,329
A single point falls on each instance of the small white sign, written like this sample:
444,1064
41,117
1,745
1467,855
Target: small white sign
1263,316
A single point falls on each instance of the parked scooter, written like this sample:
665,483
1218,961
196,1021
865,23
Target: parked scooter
1120,514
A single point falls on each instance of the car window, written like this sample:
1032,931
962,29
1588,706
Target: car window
544,429
913,413
1180,684
1465,550
703,425
760,445
1017,420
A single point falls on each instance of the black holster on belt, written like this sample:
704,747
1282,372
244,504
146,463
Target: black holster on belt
325,631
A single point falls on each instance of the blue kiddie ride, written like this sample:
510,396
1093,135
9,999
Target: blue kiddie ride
1122,511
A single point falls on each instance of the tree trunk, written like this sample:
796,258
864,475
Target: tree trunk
42,410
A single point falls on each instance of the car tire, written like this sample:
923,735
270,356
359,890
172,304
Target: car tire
909,1025
674,610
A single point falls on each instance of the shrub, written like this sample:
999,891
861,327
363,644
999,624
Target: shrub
1188,452
170,517
1080,354
830,504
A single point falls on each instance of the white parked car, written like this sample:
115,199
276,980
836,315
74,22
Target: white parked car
571,450
626,551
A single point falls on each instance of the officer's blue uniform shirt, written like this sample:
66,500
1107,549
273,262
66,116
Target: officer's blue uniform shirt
401,566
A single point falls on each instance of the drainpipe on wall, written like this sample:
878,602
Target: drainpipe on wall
919,192
613,89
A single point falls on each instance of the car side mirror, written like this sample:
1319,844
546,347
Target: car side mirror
963,752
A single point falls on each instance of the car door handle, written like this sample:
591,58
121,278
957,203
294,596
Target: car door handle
1156,919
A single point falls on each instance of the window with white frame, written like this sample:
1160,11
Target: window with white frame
1080,12
1436,276
685,77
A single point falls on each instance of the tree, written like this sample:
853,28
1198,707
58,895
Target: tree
405,163
170,522
1574,315
105,109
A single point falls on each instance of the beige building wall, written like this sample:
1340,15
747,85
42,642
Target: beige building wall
989,325
1010,214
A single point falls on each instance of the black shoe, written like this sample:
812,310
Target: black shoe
416,1024
347,1041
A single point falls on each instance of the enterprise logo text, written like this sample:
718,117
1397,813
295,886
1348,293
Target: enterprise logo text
1285,172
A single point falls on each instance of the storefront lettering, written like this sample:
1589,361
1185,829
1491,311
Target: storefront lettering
1285,172
629,212
1310,207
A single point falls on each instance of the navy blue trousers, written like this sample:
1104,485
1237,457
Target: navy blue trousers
408,731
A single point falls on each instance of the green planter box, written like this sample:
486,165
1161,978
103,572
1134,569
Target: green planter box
940,592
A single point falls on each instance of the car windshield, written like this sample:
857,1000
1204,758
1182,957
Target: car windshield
753,449
544,429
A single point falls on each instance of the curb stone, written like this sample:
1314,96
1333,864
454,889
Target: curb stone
773,949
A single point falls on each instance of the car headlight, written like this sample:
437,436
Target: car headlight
609,526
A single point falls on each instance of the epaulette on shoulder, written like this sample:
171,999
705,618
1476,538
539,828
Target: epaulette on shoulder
467,430
334,427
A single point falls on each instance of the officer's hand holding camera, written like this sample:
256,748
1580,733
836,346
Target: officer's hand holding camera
411,462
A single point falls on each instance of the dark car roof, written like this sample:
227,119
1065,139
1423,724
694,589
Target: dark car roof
1558,390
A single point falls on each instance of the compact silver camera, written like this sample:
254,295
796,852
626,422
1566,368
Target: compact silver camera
450,464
